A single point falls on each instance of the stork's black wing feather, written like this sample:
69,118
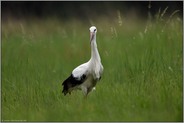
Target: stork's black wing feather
71,82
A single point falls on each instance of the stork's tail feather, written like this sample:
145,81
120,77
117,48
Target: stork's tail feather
66,86
71,82
65,90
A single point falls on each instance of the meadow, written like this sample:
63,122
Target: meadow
142,79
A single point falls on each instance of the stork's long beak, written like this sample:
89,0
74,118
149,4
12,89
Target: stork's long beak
91,36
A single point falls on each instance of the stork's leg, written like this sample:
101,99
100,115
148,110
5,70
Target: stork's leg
84,90
85,96
88,90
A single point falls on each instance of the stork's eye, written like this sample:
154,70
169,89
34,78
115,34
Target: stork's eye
94,30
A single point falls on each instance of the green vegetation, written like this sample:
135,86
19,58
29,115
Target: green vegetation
142,79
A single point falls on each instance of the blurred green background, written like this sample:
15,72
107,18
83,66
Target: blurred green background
140,44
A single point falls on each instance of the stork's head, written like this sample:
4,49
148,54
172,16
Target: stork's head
93,32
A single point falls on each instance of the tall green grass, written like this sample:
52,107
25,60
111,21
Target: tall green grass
142,79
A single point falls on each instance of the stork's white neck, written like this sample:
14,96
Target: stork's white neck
95,57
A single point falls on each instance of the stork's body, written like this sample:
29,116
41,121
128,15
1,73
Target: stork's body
86,76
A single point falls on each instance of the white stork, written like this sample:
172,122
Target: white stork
85,76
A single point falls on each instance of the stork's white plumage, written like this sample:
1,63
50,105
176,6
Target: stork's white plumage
85,76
